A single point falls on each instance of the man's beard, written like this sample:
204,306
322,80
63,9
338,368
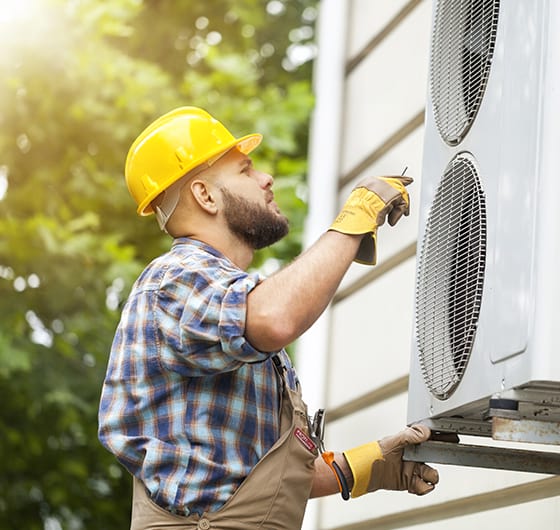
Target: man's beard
254,224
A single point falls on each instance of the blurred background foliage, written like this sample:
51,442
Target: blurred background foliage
79,79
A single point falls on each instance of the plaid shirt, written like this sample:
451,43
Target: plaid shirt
188,405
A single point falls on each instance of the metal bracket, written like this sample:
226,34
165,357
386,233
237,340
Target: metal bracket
523,430
460,426
484,456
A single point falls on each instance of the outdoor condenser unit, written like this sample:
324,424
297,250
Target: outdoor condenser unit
486,345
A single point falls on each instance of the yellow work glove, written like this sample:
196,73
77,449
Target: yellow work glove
372,201
379,465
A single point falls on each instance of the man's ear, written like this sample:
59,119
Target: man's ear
204,195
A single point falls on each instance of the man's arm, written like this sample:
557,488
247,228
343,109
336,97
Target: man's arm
285,305
378,465
324,481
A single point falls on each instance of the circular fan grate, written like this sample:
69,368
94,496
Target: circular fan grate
450,277
461,55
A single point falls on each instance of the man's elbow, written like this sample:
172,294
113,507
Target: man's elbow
269,332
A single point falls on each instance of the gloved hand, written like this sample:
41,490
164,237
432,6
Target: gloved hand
370,203
379,465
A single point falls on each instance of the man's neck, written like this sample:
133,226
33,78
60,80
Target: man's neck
238,252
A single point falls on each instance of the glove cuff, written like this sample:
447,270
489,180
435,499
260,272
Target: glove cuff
367,251
360,460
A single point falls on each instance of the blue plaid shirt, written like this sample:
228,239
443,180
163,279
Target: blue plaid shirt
188,405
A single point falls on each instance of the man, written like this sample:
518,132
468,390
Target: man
201,403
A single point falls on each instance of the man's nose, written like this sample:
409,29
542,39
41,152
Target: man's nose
265,180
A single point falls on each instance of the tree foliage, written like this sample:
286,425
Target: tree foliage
78,80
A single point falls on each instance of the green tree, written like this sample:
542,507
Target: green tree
78,80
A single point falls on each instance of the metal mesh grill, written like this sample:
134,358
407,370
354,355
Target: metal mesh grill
450,277
461,54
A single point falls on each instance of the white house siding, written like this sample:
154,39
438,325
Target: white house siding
372,92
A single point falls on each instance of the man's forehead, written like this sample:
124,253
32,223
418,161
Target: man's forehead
237,157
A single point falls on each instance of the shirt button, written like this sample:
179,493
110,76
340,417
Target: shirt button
203,524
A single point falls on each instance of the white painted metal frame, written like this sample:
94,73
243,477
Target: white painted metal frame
515,139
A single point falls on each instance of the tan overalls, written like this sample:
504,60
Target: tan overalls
272,497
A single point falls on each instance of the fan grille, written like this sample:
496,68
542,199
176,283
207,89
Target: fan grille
450,277
461,55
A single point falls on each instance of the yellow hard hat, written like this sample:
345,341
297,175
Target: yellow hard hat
172,146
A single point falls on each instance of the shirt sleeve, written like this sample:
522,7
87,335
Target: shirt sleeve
200,316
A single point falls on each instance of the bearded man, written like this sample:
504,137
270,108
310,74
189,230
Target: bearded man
201,403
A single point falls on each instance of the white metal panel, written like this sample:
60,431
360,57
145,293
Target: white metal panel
367,19
515,144
387,89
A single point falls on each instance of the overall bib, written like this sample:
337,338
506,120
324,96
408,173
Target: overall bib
272,497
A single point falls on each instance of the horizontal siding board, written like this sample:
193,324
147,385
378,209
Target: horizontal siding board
387,89
373,397
410,126
369,18
393,241
380,35
482,505
370,336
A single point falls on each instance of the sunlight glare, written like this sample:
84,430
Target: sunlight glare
24,25
3,181
16,10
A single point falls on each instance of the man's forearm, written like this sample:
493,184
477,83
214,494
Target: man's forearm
324,480
285,305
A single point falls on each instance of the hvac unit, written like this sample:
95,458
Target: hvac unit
486,345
